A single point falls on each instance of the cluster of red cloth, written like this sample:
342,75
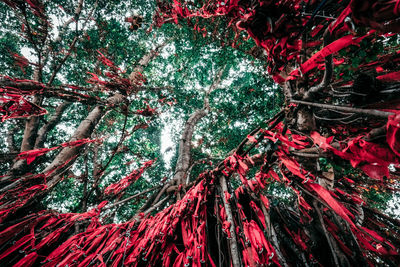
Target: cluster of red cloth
114,189
16,106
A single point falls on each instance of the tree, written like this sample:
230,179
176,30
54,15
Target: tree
248,184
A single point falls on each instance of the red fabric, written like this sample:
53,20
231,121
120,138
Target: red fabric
30,155
20,244
336,206
28,260
326,51
393,133
390,77
15,106
340,19
372,158
116,188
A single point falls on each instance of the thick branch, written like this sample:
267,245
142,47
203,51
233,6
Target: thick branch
185,145
12,147
28,140
31,127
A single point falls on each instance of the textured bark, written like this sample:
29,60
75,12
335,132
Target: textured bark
12,147
185,146
31,127
6,157
305,120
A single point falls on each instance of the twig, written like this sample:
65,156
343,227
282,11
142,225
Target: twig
136,217
229,217
328,239
368,112
131,197
272,235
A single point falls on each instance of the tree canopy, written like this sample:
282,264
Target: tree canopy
215,133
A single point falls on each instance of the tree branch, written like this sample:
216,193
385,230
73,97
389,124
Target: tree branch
368,112
328,238
229,217
185,143
46,128
145,60
328,70
131,197
10,140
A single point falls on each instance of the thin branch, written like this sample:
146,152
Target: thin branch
121,139
368,112
229,217
78,10
328,239
131,197
46,128
153,207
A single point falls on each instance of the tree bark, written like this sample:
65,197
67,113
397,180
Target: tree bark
185,146
328,71
12,147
